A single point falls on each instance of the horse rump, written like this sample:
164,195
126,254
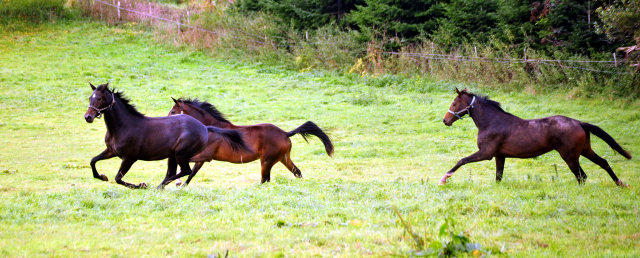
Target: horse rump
232,137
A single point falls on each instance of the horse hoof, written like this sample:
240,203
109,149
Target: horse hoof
142,186
178,182
621,184
104,178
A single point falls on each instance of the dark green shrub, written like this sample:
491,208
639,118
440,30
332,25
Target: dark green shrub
32,10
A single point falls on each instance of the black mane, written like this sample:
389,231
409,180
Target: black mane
120,95
206,106
485,100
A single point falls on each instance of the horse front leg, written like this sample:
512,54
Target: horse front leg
478,156
106,154
194,171
124,168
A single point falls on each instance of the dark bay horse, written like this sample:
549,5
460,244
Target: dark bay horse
270,143
133,136
503,135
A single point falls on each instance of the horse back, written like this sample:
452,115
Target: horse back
265,137
528,138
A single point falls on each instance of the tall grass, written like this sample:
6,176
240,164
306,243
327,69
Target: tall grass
31,10
257,37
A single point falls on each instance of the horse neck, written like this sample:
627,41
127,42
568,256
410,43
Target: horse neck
207,119
210,120
484,115
119,117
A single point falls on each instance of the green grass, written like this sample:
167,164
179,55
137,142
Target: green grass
391,149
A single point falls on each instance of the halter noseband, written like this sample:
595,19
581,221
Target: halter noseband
467,109
107,108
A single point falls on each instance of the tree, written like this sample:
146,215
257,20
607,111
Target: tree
303,14
405,18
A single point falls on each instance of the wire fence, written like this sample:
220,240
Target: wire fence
617,64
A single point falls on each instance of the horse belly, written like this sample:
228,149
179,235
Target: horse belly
221,151
527,147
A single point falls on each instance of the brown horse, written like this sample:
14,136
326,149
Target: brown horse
503,135
270,143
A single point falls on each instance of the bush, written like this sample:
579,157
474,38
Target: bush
32,10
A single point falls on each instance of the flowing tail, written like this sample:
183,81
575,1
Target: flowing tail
309,128
597,131
232,137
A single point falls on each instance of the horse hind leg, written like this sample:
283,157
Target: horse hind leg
266,163
499,168
185,170
286,160
591,155
574,166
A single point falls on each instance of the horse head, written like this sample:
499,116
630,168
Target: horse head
100,101
461,106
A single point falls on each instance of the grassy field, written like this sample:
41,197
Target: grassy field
391,149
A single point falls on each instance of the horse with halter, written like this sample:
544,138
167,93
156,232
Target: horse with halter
270,143
133,136
502,135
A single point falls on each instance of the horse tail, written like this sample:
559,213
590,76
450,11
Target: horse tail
309,128
232,137
597,131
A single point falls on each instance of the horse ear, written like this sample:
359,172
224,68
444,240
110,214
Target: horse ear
92,87
457,91
106,86
465,90
174,100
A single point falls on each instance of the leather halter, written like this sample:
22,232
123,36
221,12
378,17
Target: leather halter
467,109
107,108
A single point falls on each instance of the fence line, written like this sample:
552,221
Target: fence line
504,61
425,56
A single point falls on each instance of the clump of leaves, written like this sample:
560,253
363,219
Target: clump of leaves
450,242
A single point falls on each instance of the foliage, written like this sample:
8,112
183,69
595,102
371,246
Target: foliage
400,18
548,26
467,20
302,14
32,10
620,20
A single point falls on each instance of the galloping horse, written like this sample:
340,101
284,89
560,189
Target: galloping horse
503,135
270,143
133,136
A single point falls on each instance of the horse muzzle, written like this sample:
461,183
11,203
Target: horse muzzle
89,118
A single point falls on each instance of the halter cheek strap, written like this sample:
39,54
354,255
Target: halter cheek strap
104,109
469,107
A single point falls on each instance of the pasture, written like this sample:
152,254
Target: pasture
391,150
